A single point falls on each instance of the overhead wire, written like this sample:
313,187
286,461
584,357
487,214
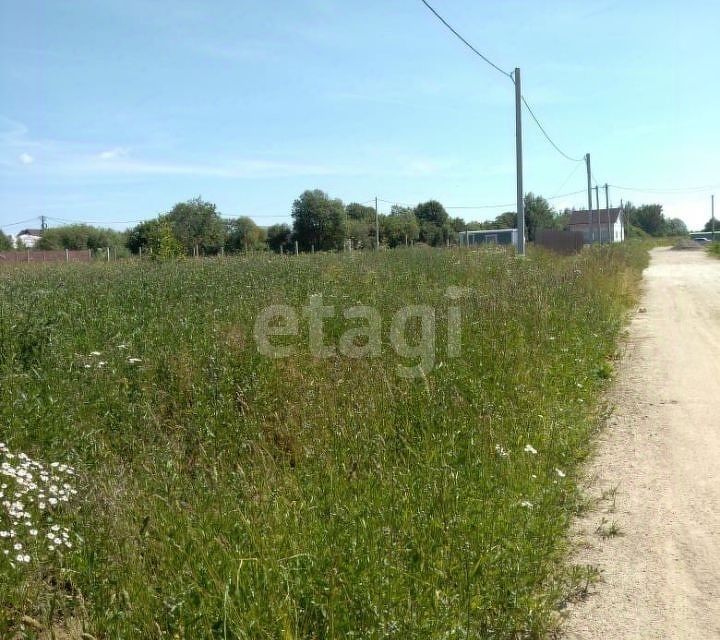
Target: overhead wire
509,75
671,190
464,41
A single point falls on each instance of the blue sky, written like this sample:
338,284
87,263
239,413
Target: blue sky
113,111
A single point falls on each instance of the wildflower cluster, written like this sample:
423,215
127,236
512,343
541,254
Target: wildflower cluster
93,360
31,494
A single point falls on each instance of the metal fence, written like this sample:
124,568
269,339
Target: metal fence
30,255
565,242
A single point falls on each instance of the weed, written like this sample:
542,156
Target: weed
226,494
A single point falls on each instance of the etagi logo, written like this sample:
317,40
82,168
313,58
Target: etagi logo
365,340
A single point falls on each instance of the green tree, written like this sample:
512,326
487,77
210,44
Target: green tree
76,237
675,227
278,236
361,232
400,227
318,221
538,215
156,237
649,218
6,242
712,224
243,234
196,223
360,225
164,243
357,211
506,220
434,222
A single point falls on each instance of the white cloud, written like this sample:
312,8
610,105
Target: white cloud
26,158
111,154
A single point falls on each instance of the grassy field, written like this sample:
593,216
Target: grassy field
714,249
224,494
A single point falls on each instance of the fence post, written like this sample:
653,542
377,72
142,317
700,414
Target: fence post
89,255
108,254
67,255
296,247
28,255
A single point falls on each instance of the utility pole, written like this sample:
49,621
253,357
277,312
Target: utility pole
607,210
43,223
712,215
625,224
589,181
377,227
518,158
597,208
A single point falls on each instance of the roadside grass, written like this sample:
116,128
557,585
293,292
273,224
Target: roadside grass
223,494
714,249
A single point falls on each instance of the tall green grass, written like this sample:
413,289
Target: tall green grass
227,495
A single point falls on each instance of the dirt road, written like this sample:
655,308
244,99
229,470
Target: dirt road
661,574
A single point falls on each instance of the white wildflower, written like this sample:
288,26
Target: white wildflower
527,504
530,449
560,473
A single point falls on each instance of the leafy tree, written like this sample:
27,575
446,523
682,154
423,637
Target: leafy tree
400,227
357,211
156,237
6,242
649,218
434,222
243,234
143,235
164,242
361,225
507,220
710,225
675,227
361,232
538,215
278,235
76,237
318,221
196,223
432,211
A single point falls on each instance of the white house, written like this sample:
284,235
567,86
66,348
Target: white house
28,238
612,228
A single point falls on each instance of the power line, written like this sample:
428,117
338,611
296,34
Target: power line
570,176
547,136
509,75
15,224
678,190
465,42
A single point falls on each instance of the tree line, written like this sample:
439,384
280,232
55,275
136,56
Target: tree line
321,223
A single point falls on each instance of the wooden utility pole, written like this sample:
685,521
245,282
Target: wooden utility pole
597,208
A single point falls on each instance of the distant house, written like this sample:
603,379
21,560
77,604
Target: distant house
488,236
602,231
28,237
